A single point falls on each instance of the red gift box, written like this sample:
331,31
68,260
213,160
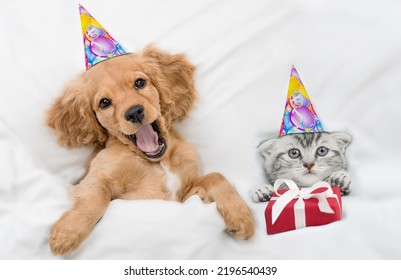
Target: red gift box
293,208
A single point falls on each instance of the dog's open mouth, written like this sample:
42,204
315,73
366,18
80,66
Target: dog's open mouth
149,140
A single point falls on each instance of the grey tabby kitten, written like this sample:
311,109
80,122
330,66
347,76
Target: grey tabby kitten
305,158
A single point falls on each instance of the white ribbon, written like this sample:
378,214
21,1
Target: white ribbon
282,200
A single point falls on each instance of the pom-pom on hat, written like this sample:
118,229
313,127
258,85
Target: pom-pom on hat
98,44
299,115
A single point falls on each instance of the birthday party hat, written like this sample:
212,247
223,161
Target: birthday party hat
98,44
299,115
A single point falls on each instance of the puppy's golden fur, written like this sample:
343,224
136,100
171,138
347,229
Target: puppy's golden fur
137,148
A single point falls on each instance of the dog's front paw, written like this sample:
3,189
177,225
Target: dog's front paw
66,234
239,221
262,193
341,179
63,241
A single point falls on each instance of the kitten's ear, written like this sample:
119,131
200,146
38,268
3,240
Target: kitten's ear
343,139
266,147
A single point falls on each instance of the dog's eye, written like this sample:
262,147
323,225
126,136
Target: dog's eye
104,103
140,83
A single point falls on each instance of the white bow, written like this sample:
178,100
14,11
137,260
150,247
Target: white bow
300,194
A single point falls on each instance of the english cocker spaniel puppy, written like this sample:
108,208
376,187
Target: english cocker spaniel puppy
126,107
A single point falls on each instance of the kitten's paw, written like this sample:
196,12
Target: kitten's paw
262,193
341,179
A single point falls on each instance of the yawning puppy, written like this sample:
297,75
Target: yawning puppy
126,108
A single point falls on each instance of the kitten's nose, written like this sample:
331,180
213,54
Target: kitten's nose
309,165
135,114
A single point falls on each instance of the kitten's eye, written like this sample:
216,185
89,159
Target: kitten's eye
294,153
140,83
104,103
322,151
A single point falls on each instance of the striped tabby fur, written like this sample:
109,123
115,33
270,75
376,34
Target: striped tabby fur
305,158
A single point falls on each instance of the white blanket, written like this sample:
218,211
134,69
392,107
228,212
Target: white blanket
348,54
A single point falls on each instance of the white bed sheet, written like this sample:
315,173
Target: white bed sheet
348,54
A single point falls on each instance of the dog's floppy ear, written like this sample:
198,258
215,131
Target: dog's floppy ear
72,117
172,75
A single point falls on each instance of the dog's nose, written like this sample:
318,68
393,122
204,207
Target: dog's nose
135,114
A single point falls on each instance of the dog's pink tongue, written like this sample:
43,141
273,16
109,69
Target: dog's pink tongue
147,139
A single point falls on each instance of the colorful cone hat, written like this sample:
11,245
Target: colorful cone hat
98,44
299,115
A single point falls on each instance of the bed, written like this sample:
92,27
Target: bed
348,54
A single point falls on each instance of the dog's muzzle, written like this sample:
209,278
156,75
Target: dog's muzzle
148,138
